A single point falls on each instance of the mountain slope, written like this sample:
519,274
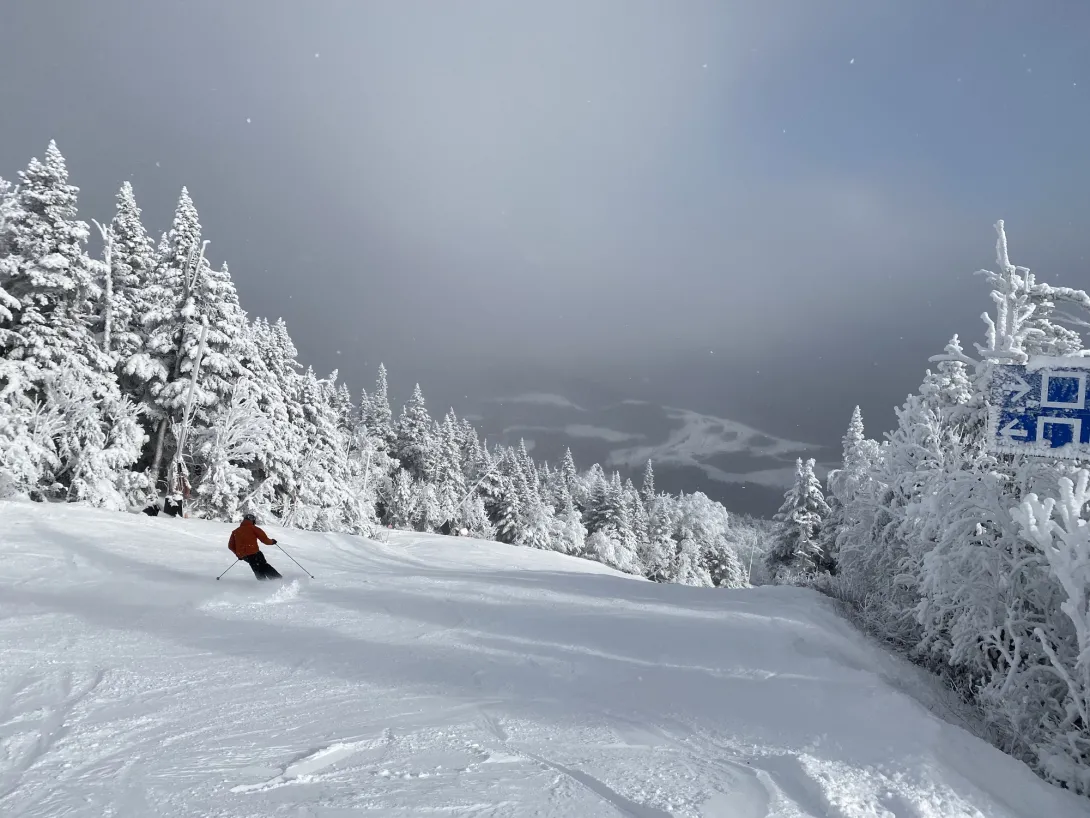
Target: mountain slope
435,675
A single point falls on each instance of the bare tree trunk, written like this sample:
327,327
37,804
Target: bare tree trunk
176,465
108,317
108,311
160,442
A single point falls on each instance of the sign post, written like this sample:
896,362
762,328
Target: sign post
1040,408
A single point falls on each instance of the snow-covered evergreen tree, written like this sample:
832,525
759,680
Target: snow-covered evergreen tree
53,366
474,455
414,436
341,402
240,435
46,274
659,555
98,441
1063,716
859,457
429,509
647,490
938,547
569,534
474,518
506,499
611,539
448,470
269,361
323,485
800,517
404,498
689,565
186,292
132,273
596,509
570,477
376,414
638,520
536,522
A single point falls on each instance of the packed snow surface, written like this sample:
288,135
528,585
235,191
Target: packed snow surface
444,676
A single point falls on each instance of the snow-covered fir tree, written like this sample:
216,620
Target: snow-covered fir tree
186,295
448,469
611,539
506,500
948,551
798,547
402,505
414,436
269,362
46,274
568,533
239,435
323,480
376,415
67,429
647,490
859,456
132,270
659,553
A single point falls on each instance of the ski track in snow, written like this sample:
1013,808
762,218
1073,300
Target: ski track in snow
431,675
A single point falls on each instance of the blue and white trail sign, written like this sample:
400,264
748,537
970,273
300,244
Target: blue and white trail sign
1040,408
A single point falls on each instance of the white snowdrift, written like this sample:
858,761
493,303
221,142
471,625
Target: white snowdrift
433,675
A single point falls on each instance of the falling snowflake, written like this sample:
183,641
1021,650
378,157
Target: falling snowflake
851,61
248,120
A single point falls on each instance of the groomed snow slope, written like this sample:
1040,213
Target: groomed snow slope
445,676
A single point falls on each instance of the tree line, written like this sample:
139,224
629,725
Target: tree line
138,375
975,564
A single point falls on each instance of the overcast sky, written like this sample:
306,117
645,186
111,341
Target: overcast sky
763,210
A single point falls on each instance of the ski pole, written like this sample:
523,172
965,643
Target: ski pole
293,559
229,567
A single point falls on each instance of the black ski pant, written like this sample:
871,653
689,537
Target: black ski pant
262,569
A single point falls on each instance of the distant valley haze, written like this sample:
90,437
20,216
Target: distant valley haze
699,233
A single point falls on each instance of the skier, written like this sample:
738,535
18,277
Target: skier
243,544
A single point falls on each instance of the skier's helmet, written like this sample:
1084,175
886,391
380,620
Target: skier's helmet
251,517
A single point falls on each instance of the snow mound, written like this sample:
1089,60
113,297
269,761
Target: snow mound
259,596
445,675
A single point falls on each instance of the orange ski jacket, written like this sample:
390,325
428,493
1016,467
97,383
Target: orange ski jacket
243,542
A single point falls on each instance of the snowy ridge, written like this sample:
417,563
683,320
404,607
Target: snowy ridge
576,430
700,437
464,677
541,399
